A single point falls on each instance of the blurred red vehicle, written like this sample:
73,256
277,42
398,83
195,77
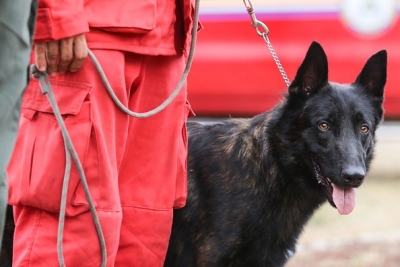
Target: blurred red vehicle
234,73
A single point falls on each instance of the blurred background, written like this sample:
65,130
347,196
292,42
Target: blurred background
234,75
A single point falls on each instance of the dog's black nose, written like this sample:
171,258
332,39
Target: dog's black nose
353,176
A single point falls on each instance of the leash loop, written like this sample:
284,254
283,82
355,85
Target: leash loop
171,97
263,31
264,28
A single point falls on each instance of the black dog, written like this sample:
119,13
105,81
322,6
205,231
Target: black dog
254,183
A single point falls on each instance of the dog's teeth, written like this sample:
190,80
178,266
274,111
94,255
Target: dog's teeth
329,180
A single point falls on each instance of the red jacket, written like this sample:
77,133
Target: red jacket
140,26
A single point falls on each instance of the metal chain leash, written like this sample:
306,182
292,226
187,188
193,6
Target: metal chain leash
263,31
277,62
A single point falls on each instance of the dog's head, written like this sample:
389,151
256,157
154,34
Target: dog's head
337,123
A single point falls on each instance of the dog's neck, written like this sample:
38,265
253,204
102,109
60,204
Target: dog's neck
298,201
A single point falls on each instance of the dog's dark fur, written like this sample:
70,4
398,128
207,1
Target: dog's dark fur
254,183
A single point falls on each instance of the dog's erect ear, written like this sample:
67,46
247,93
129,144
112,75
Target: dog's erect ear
313,72
373,75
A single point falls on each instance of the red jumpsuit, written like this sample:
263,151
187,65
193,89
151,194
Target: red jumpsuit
136,168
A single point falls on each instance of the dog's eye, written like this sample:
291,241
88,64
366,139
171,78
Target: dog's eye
364,129
323,126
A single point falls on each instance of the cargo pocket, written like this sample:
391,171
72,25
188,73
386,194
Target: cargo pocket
181,179
36,170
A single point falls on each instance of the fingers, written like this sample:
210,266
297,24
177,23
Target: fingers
66,54
61,56
40,56
52,57
80,52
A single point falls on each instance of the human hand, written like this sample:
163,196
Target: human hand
60,56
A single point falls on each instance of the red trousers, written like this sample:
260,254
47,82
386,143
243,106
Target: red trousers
135,168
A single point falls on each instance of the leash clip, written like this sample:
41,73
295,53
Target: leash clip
264,34
254,21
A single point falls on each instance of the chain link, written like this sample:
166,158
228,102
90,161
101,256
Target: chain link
264,34
276,59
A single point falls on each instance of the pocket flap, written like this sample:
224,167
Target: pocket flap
136,15
69,96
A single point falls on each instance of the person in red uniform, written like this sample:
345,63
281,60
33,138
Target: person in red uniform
135,168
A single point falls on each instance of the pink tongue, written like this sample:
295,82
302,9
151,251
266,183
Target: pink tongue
344,199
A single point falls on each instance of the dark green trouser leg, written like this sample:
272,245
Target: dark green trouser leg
16,26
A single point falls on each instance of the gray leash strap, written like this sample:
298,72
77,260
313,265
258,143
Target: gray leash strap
176,91
69,152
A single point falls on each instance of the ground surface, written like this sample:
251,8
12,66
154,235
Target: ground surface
368,237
